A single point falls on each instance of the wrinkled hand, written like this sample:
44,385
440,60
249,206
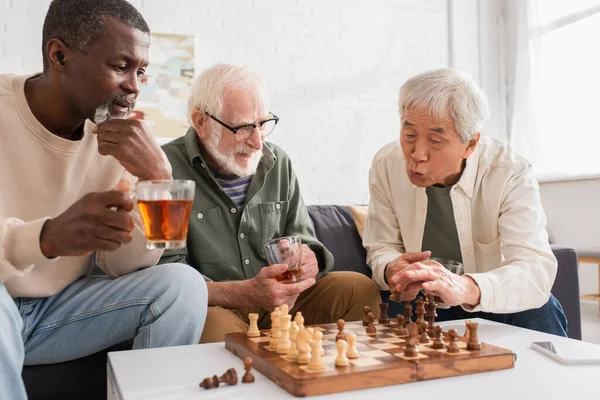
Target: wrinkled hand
310,265
435,279
130,143
267,293
97,221
400,264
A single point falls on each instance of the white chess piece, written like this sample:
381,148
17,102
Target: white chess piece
275,332
284,342
293,352
352,353
341,359
284,309
253,330
302,346
316,360
300,320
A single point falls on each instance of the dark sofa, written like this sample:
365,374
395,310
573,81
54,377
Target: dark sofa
86,378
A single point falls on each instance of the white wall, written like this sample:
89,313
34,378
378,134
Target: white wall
574,221
333,69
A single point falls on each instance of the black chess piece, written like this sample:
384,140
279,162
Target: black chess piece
248,377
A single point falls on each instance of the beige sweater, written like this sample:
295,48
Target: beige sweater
41,175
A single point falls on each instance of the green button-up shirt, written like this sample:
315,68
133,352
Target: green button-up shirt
225,243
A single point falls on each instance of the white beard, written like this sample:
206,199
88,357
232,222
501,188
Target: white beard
102,113
227,162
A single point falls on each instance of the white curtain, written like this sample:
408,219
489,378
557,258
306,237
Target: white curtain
555,105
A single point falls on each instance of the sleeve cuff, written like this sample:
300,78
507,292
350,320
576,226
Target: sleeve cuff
378,267
486,289
23,243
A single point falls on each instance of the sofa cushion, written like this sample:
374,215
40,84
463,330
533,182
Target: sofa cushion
360,218
335,228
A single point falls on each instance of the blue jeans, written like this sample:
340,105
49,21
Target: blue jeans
160,306
549,318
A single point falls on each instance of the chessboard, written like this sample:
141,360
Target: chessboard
381,360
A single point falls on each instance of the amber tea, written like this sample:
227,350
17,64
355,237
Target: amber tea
165,208
165,219
290,276
286,250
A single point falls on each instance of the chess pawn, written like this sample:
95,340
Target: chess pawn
438,342
253,330
316,360
340,335
371,325
302,347
293,352
366,310
352,353
209,383
341,359
452,345
275,332
473,343
424,338
248,377
284,342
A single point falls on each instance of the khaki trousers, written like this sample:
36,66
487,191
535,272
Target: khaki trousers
336,295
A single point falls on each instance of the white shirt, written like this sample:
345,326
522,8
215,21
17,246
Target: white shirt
499,219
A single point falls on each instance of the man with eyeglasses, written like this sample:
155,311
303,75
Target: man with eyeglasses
247,194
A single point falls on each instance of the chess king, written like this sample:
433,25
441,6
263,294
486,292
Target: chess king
247,193
458,195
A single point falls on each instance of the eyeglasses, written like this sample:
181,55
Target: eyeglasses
243,132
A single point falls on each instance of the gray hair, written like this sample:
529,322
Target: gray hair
208,89
445,93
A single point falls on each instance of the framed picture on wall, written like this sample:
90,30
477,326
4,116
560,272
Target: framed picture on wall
162,103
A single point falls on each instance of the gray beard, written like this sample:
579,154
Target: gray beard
102,113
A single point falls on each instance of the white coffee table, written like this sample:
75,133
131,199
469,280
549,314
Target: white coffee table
174,373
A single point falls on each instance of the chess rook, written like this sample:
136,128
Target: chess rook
383,313
253,330
473,343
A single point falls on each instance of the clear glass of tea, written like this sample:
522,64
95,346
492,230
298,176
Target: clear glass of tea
453,266
165,207
286,250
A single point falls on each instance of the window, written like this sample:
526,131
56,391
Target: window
556,117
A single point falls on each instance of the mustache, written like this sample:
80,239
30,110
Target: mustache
244,148
122,100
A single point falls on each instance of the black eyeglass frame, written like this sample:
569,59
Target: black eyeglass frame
235,129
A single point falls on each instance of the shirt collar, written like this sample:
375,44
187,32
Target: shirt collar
194,147
467,179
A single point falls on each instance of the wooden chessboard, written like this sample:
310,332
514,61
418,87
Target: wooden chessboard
381,361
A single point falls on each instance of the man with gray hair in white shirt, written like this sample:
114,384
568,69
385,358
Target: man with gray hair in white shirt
442,191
